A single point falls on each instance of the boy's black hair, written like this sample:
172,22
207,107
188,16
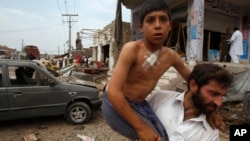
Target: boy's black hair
153,5
205,72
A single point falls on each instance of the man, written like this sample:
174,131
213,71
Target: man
236,48
30,56
225,47
78,62
184,114
140,65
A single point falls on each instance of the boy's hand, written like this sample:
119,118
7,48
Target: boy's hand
216,121
147,134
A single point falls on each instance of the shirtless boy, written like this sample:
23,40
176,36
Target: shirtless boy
140,65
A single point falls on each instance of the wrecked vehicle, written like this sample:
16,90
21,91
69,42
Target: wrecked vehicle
28,90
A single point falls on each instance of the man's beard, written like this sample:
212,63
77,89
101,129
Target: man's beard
199,103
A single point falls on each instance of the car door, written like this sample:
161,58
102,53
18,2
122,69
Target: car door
4,103
32,99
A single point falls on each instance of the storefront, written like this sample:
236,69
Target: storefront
218,16
198,25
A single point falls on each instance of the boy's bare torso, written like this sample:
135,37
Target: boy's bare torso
140,81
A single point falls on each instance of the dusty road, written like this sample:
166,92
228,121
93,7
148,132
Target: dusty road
57,129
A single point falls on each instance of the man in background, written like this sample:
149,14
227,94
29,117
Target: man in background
225,47
236,48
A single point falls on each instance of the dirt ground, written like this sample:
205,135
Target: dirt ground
232,114
57,129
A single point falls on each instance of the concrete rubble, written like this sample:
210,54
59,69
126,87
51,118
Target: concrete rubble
30,137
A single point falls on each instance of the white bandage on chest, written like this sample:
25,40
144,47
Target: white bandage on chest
150,59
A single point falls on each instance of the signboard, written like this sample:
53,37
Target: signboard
214,55
245,50
195,24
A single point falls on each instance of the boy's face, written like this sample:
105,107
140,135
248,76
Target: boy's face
155,27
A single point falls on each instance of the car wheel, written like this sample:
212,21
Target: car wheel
78,113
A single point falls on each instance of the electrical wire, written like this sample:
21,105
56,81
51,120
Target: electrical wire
58,5
28,29
74,7
66,6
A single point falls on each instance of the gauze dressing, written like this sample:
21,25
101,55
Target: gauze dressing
151,60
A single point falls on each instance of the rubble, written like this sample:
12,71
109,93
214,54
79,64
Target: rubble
85,138
30,137
232,114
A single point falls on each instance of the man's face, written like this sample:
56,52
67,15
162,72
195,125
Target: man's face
155,27
209,97
229,30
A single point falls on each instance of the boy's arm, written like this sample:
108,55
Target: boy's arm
117,98
179,65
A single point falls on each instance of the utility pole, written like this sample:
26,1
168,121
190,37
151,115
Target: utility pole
69,21
22,46
58,50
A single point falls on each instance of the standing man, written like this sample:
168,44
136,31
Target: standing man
78,62
225,47
30,56
236,48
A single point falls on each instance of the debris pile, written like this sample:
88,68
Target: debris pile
232,114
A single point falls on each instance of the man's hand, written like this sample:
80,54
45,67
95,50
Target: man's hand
216,121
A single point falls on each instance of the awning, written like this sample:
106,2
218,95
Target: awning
131,4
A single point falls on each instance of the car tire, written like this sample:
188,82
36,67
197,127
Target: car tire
78,113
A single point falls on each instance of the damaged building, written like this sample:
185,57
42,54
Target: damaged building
102,48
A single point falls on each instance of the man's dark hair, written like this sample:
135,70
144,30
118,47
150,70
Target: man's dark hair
205,72
153,5
236,28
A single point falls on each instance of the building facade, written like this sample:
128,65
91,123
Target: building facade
199,24
102,48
